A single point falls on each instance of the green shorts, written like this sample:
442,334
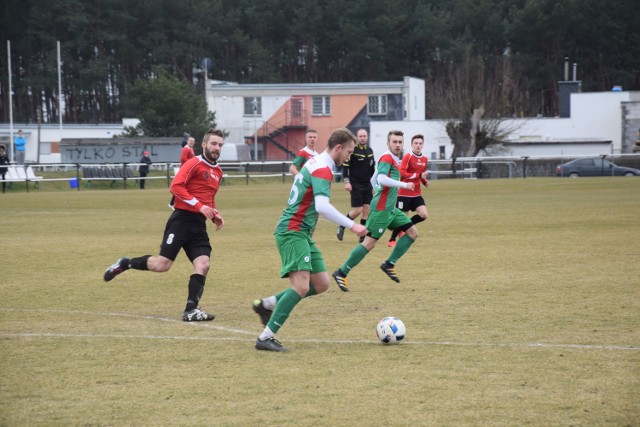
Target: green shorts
379,221
298,252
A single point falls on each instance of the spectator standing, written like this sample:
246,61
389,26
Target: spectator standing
195,187
143,169
307,152
4,160
357,173
302,261
412,169
20,144
384,214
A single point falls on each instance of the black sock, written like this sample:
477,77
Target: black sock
416,219
139,263
196,288
394,234
363,221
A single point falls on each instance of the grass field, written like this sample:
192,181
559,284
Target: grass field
521,299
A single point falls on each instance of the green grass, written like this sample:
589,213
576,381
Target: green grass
521,299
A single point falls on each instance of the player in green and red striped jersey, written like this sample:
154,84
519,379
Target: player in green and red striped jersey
302,262
384,214
307,152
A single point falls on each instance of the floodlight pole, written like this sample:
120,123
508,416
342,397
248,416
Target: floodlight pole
59,96
254,103
10,102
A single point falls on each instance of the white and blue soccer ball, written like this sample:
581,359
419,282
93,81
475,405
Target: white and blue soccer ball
390,330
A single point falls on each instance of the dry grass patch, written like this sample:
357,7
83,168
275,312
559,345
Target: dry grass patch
521,301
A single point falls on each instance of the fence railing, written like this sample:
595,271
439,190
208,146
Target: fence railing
126,173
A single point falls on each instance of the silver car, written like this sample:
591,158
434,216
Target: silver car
596,166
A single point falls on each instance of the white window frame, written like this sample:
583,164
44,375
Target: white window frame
382,105
248,106
325,105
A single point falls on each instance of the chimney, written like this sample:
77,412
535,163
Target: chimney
567,87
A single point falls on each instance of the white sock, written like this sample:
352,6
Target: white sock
266,334
269,302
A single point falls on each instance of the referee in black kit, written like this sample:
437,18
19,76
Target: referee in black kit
357,173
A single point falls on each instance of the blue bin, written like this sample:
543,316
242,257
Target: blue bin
73,183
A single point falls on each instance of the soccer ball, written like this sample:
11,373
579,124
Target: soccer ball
390,330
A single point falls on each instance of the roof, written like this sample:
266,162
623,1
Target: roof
220,88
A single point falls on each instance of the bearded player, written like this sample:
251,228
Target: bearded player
194,187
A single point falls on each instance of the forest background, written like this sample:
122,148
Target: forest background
511,53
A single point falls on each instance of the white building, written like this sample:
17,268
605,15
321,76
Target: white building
599,123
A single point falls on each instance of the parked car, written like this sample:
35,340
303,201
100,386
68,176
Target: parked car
594,167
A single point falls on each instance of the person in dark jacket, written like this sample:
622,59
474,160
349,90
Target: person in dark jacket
144,168
4,160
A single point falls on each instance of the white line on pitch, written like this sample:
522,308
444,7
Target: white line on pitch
244,332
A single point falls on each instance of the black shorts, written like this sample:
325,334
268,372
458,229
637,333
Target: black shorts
188,231
406,204
361,194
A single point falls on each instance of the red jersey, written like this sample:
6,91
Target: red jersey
196,184
186,154
411,169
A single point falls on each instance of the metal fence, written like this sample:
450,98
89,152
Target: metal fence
514,166
125,174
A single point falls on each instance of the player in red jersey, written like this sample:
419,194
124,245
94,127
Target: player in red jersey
195,187
185,154
187,151
413,169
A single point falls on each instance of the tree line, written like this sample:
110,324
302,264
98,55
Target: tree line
505,56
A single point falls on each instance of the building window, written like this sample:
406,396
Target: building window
377,105
321,105
249,105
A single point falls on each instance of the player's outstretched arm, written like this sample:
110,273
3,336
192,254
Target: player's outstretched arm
386,181
328,211
359,229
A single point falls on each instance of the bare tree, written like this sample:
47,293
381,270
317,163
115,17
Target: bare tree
475,96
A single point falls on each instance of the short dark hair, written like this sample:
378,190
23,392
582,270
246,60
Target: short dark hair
394,132
417,136
216,132
341,136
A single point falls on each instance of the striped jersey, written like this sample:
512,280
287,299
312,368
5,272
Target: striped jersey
384,198
313,180
411,170
196,184
303,157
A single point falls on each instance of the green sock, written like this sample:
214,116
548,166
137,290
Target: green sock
283,308
357,254
281,294
402,245
312,292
